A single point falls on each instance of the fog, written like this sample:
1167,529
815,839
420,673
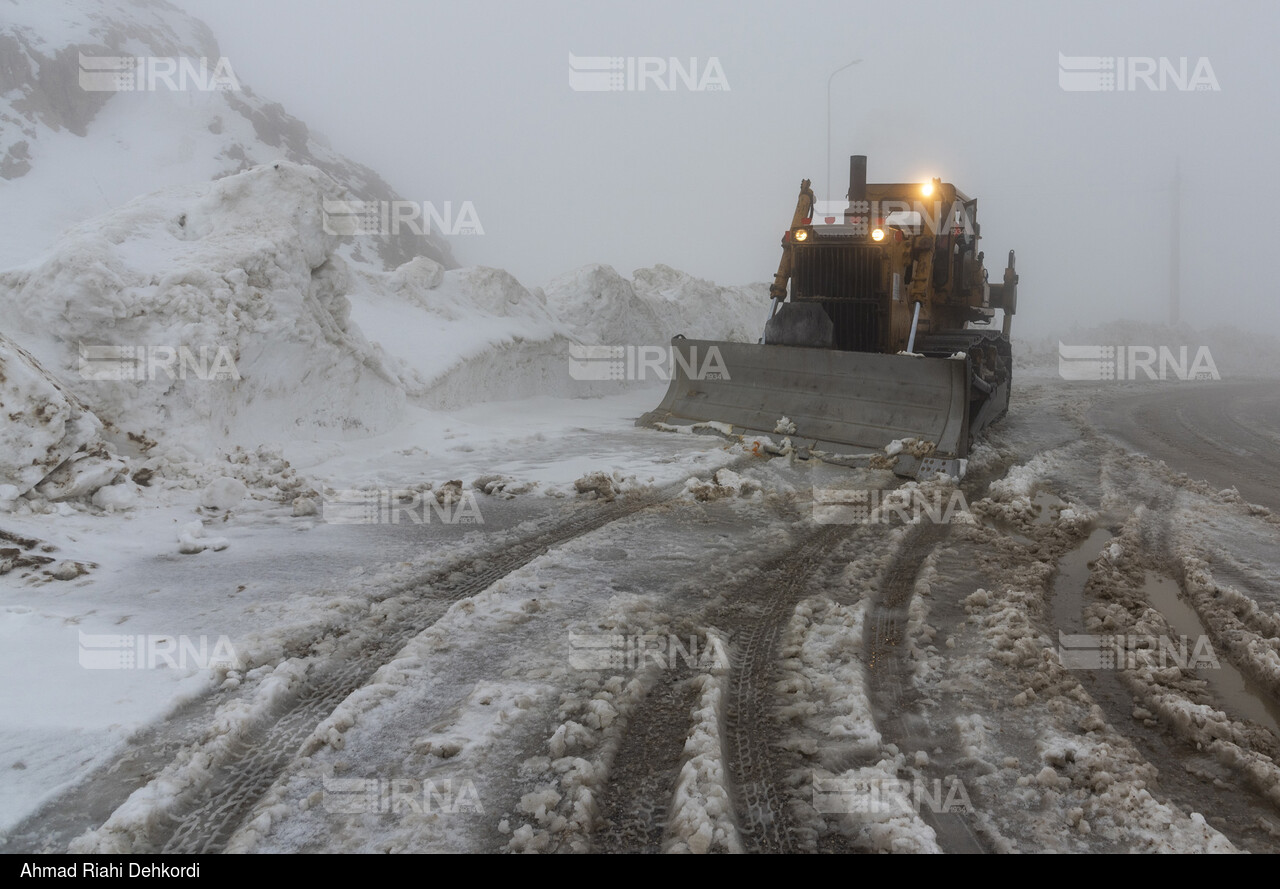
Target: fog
472,102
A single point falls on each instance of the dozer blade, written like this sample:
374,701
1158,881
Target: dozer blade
837,400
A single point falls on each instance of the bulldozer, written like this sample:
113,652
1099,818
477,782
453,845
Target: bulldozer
880,335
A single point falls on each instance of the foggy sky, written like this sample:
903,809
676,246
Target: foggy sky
453,101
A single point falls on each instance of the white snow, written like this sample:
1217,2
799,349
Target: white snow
180,488
45,426
223,494
702,811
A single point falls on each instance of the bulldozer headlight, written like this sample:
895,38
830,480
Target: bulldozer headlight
802,234
877,234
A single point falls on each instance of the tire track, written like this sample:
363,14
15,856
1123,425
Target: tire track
636,810
894,698
648,762
756,619
240,783
204,821
1188,778
756,616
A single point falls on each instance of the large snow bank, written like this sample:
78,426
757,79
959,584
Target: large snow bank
472,335
199,320
464,336
239,275
604,308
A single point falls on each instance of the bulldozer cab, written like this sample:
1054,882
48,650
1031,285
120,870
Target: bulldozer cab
898,245
875,329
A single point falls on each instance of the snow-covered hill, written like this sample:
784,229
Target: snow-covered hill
236,277
68,153
170,289
222,315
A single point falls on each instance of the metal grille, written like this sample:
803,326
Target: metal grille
835,271
845,278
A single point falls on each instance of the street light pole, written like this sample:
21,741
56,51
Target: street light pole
829,79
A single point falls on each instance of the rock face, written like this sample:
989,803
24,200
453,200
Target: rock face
42,98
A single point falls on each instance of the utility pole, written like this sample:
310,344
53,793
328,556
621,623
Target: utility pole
1175,259
827,189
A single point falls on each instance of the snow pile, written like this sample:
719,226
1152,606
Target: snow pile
1098,783
191,540
586,758
263,471
600,485
912,446
219,312
879,810
201,320
701,309
563,810
205,316
223,494
1171,686
1014,497
472,335
1250,632
1084,778
724,483
604,308
702,812
469,335
824,682
48,435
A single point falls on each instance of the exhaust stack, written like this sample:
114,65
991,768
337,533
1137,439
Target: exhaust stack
857,179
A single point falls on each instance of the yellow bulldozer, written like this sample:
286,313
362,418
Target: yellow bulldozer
881,331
